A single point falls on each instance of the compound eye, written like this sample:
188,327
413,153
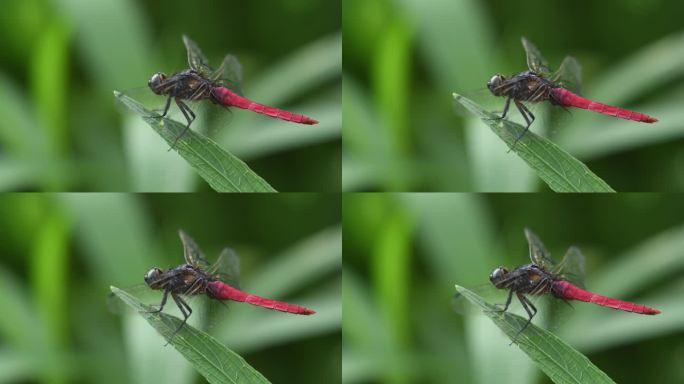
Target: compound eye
495,81
498,273
152,275
156,79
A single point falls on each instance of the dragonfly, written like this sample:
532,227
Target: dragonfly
218,281
201,82
561,280
539,84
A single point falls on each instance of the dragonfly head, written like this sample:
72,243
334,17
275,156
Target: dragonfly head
495,82
498,276
156,81
152,278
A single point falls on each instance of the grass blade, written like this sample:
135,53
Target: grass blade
223,171
210,358
558,169
560,362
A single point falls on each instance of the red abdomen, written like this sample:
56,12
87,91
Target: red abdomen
222,291
568,99
564,290
225,96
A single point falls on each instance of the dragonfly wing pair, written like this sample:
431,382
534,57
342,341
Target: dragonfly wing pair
568,75
571,266
226,268
229,73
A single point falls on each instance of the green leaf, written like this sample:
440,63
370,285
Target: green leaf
223,171
560,362
210,358
558,169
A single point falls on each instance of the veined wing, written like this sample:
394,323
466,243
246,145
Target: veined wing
230,74
192,253
535,61
196,59
538,253
569,75
571,267
227,268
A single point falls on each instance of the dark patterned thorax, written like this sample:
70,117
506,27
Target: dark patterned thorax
184,279
187,85
530,87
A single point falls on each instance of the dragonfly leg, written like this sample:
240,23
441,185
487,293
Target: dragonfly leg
167,106
189,116
531,312
529,118
508,301
163,302
505,110
183,306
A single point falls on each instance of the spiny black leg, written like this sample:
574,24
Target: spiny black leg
187,112
530,312
163,302
508,301
529,114
189,116
508,104
529,308
183,306
524,112
167,106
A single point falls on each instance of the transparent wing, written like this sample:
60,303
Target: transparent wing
193,254
571,268
538,253
227,268
535,61
569,75
196,59
230,74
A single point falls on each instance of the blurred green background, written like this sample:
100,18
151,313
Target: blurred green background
403,253
61,129
404,58
61,253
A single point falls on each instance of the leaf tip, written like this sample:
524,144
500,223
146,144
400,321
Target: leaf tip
115,290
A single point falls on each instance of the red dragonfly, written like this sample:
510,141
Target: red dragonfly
200,82
562,280
218,281
537,84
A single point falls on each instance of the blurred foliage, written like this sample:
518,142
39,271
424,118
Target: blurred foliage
61,129
404,58
403,254
61,253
